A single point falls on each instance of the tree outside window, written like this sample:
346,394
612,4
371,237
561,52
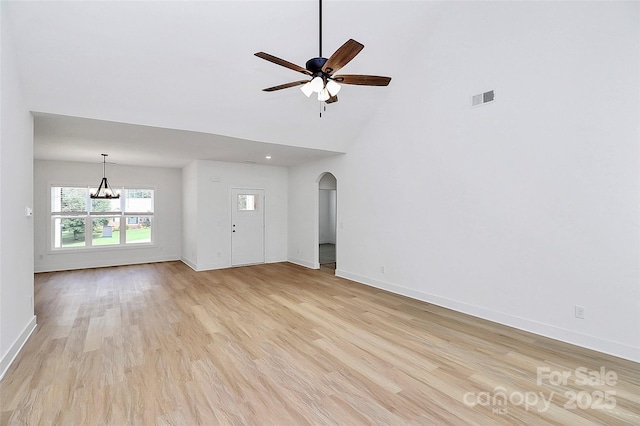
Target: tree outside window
110,222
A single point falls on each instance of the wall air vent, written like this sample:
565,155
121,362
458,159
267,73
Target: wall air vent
482,98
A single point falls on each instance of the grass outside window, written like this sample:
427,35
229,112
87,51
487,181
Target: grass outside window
141,235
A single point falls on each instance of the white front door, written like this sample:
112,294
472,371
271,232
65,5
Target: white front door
247,226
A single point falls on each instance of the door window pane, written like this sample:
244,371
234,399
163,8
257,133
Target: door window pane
69,232
105,231
138,229
246,202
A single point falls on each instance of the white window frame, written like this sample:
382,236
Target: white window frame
89,216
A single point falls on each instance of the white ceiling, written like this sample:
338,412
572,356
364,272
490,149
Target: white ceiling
164,83
80,139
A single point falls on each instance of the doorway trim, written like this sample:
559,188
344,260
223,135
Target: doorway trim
232,189
316,221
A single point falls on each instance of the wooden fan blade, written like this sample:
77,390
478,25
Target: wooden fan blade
362,80
332,99
342,56
285,86
282,62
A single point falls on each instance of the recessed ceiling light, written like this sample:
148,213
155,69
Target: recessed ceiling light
268,157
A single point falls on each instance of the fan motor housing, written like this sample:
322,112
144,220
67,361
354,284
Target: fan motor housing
315,64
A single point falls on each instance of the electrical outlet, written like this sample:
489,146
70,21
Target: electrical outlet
31,301
382,269
580,312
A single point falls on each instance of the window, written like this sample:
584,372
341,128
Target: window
81,222
246,202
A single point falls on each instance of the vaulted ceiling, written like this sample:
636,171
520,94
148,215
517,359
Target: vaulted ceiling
163,83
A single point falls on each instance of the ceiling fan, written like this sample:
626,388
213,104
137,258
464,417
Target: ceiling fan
321,70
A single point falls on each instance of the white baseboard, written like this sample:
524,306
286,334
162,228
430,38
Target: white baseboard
569,336
189,263
13,351
214,266
89,265
304,263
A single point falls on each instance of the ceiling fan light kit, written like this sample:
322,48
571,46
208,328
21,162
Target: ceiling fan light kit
333,87
315,85
323,95
323,81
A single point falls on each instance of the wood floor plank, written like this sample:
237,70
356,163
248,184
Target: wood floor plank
280,344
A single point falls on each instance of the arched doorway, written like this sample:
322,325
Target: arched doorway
327,222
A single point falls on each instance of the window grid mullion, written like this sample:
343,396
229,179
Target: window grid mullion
88,216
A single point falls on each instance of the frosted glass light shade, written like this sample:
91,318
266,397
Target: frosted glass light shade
323,95
317,84
333,87
307,89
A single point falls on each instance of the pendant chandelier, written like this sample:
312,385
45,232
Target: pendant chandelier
104,190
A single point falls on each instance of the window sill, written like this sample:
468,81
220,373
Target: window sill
92,249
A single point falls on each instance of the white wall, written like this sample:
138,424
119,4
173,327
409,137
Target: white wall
208,245
190,214
17,319
514,211
167,220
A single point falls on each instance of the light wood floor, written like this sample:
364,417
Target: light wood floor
284,345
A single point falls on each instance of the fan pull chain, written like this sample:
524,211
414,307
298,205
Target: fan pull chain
323,108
